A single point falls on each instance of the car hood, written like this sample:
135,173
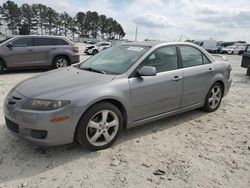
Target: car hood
53,84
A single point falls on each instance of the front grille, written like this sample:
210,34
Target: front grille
12,125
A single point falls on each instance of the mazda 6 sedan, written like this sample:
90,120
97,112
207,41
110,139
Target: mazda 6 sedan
124,86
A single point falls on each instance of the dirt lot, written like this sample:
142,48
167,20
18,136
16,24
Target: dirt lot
195,149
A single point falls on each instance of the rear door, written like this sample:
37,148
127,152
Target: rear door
21,54
198,72
43,48
246,58
158,94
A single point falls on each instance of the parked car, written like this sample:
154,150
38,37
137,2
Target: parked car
245,63
228,50
124,86
241,49
98,47
209,45
37,51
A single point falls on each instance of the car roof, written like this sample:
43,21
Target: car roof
157,43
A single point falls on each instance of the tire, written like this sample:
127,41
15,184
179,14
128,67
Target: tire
213,100
60,62
248,71
94,52
95,132
1,67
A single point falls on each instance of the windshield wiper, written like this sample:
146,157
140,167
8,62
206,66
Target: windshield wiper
93,70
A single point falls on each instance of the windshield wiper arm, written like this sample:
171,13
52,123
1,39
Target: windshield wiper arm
94,70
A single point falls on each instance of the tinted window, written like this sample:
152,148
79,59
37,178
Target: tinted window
23,42
205,60
42,41
104,44
248,49
163,59
58,42
190,56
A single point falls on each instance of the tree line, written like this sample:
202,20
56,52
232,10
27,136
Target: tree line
40,19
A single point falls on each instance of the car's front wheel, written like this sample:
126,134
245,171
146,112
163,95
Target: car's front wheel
100,126
1,67
60,62
213,98
94,52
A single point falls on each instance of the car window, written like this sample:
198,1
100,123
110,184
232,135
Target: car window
23,42
115,60
163,59
59,42
42,41
190,56
104,44
205,60
248,49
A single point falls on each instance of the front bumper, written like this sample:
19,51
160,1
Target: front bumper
36,127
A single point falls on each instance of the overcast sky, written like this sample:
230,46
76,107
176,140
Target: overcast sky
168,19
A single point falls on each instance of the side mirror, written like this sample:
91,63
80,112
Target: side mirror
147,71
9,46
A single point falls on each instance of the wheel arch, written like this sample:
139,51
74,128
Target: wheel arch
113,101
4,64
61,55
222,84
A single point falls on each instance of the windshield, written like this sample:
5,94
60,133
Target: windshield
115,60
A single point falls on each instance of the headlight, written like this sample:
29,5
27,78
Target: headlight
43,105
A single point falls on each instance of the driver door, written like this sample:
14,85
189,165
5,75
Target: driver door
154,95
20,54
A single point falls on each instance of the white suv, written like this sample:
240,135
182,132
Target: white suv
94,49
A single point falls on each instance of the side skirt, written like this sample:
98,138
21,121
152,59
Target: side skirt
164,115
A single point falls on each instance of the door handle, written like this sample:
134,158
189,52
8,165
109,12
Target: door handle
53,48
210,70
29,50
176,78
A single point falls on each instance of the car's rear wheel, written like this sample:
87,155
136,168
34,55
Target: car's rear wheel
213,98
100,126
94,52
1,67
60,62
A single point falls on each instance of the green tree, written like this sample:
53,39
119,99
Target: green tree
13,16
80,22
28,15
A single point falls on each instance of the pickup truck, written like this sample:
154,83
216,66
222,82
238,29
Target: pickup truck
246,59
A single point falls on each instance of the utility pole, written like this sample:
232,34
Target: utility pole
136,33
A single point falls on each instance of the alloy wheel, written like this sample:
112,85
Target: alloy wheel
60,63
102,128
214,97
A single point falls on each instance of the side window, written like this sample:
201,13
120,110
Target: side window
42,41
190,56
163,59
58,42
248,49
205,60
23,42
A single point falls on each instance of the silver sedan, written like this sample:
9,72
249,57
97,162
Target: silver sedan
124,86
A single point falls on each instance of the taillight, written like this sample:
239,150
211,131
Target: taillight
75,48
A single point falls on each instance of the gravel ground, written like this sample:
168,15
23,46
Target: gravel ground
194,149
